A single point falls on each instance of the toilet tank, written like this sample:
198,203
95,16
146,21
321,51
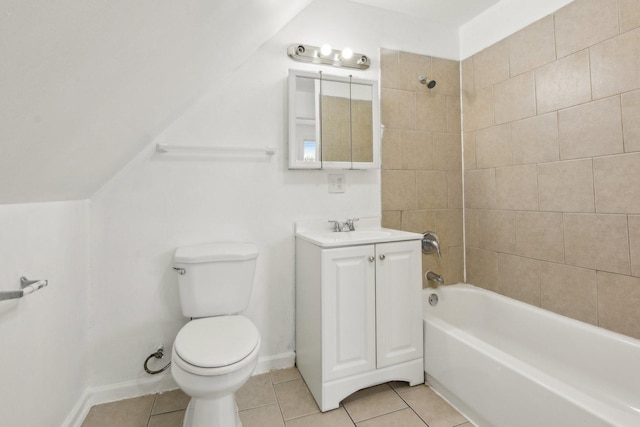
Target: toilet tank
215,279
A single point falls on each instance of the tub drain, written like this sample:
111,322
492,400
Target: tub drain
433,299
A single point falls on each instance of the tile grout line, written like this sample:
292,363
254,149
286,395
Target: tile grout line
411,407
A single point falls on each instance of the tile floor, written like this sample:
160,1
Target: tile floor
281,399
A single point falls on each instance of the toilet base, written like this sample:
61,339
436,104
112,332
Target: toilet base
220,412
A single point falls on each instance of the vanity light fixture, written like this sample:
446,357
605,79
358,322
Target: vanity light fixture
326,55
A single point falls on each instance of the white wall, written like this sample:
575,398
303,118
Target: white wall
502,20
43,335
160,202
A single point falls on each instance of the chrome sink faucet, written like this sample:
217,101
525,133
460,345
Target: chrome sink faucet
349,225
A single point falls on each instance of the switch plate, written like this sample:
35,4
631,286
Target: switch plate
337,183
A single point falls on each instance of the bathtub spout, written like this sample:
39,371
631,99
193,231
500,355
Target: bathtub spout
434,277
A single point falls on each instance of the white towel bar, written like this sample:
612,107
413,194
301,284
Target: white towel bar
165,148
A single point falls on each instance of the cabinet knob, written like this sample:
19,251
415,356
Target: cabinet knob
382,257
371,259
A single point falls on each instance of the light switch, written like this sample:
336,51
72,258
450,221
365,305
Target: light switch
337,183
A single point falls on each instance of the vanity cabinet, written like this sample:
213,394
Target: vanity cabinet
358,317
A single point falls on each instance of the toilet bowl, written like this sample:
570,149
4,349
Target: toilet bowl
211,359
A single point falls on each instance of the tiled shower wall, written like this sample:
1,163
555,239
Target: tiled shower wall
421,154
552,164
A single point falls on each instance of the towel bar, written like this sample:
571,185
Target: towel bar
28,287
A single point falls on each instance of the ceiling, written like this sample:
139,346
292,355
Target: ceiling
455,12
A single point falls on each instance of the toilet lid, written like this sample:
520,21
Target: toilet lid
214,342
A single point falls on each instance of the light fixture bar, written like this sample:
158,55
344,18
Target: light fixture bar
308,53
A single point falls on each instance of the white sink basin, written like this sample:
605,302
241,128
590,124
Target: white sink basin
358,237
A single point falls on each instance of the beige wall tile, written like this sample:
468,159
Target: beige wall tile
618,302
493,147
392,219
417,150
614,65
454,123
563,83
471,231
449,227
477,109
446,73
570,291
469,152
616,181
519,278
398,190
630,122
629,14
539,236
515,98
566,186
447,151
496,230
431,112
517,187
466,67
480,189
389,68
584,23
535,140
418,221
634,243
454,188
482,268
532,46
593,129
491,65
398,109
456,265
391,149
410,66
597,241
432,190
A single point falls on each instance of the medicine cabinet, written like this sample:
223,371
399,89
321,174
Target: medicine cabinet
334,122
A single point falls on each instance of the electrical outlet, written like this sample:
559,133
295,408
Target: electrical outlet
337,183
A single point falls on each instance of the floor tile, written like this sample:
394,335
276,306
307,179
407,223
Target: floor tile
433,409
399,385
402,418
295,399
336,418
170,401
372,402
170,419
264,416
258,391
283,375
124,413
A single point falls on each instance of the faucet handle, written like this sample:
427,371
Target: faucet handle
336,225
350,223
431,243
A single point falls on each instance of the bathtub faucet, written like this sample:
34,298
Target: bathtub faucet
434,277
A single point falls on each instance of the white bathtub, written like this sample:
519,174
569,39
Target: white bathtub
503,363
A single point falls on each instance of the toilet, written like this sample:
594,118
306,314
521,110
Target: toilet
215,353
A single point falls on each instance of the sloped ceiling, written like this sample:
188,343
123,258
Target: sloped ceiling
85,85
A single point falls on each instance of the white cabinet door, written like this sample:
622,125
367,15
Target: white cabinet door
348,311
398,302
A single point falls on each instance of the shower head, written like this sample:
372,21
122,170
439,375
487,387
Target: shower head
426,81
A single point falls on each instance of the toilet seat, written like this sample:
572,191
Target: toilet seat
216,345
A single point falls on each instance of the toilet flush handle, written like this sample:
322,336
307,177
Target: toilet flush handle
181,271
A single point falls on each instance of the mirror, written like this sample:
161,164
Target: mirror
333,122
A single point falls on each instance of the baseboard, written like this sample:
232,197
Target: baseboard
277,361
143,386
118,391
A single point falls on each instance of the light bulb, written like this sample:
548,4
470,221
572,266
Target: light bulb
347,53
326,49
